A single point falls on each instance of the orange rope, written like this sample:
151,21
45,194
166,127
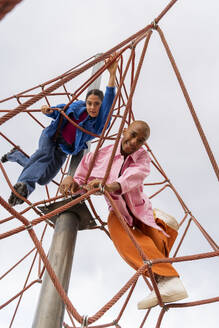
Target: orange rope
7,6
126,117
188,100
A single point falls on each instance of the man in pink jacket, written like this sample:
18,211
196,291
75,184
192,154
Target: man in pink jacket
156,231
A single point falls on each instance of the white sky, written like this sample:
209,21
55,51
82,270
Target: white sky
42,39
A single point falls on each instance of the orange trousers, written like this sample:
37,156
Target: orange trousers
152,241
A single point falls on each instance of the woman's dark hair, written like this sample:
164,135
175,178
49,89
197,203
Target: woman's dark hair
95,92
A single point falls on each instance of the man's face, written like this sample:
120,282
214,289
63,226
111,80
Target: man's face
133,138
93,104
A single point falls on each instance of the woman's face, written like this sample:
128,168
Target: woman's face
93,104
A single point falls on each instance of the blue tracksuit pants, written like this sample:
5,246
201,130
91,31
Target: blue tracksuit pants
42,166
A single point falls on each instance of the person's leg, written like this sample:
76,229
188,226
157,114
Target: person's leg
171,288
15,155
38,168
37,163
169,224
129,252
57,159
21,189
169,284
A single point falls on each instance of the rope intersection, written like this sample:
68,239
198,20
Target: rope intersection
122,115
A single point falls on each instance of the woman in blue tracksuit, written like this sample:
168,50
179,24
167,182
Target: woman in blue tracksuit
61,138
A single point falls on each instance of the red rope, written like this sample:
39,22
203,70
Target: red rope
6,6
126,118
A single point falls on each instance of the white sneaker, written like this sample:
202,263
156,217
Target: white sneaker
171,290
167,218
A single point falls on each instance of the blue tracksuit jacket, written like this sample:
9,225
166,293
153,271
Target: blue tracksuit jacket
94,125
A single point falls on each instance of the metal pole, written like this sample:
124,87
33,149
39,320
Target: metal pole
50,308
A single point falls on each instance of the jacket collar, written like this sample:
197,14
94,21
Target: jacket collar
77,108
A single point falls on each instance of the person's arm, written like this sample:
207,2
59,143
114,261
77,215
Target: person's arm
135,174
113,187
68,185
131,178
50,111
112,70
72,184
108,97
46,110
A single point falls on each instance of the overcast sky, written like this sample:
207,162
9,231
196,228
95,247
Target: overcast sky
42,39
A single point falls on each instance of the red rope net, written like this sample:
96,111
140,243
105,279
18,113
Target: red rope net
63,86
6,6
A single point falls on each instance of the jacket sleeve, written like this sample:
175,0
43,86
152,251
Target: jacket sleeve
134,175
81,171
55,113
105,108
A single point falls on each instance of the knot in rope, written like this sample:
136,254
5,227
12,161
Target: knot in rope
29,226
84,322
154,25
132,44
148,262
166,308
101,188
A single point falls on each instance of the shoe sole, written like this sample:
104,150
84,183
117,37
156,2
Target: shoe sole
4,158
20,189
165,299
174,298
143,307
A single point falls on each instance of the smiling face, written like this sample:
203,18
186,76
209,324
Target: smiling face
93,104
134,137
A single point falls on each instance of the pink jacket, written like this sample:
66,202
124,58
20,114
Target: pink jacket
133,172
